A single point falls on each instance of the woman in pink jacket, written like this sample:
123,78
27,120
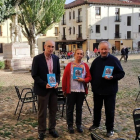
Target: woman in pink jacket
75,89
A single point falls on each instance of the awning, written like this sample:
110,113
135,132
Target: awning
71,41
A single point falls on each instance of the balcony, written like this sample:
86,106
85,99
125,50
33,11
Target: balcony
79,19
79,36
118,19
117,35
63,37
63,22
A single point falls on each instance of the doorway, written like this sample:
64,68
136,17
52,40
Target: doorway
117,45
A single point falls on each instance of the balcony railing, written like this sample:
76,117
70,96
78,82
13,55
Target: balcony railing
63,22
117,35
63,37
79,36
118,19
79,19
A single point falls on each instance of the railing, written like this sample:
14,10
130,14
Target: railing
118,19
63,37
79,36
79,19
63,22
117,35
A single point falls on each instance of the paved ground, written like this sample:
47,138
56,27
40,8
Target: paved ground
26,127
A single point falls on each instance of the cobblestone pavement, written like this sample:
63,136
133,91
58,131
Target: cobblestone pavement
26,127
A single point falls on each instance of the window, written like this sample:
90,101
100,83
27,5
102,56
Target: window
129,21
105,27
79,12
73,30
73,14
70,30
117,11
128,34
1,48
69,15
56,31
0,31
98,10
97,28
139,29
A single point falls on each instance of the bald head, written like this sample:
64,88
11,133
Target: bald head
49,47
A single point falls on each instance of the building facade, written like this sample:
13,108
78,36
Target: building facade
87,22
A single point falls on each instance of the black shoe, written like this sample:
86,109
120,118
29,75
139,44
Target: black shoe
54,133
70,129
93,127
110,133
41,136
79,129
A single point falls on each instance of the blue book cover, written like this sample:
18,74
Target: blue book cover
108,71
77,72
51,79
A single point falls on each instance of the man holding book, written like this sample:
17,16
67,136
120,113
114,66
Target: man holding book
105,71
43,65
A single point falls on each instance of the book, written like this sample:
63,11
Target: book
107,71
51,79
77,72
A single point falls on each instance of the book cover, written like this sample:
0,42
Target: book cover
107,71
51,79
77,72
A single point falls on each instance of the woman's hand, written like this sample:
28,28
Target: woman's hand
64,93
108,78
80,79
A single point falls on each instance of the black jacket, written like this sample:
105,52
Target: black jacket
100,85
40,71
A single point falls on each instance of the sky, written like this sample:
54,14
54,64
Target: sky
68,1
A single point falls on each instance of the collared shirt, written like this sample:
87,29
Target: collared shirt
49,62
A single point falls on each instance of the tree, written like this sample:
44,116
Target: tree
37,16
7,8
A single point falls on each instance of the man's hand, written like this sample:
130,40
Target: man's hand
48,86
108,78
80,79
56,86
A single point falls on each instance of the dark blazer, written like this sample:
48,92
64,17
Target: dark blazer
40,71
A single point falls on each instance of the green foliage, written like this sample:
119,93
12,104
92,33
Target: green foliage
7,8
37,16
2,65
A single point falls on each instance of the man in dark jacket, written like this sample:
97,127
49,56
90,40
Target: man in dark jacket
126,53
105,88
43,64
123,53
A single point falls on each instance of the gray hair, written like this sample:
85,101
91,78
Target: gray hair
108,44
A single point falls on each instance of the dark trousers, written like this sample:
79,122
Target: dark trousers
72,99
123,56
49,100
109,103
126,57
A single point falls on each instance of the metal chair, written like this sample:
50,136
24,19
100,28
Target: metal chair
27,98
136,118
139,87
61,99
94,136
